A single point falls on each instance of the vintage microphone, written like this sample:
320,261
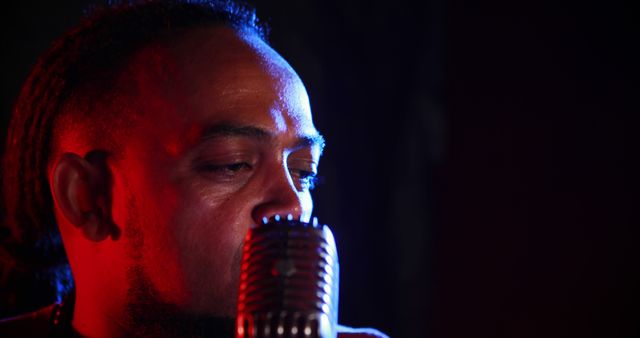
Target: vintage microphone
288,281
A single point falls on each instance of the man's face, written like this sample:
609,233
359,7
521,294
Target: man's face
222,136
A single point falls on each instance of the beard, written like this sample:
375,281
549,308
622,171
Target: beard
148,315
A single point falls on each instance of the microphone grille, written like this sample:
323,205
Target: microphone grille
289,281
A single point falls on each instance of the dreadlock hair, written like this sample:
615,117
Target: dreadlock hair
34,264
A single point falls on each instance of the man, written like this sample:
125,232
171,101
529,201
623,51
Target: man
154,136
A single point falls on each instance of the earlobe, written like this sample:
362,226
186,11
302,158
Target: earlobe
80,192
95,228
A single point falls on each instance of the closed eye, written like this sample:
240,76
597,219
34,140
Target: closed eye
304,179
226,169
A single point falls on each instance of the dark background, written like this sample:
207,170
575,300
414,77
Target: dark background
478,169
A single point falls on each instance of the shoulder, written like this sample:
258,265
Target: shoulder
348,332
33,324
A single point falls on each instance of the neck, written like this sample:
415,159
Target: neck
93,314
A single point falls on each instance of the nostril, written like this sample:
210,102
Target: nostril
279,206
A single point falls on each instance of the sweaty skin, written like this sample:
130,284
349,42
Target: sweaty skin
210,131
219,135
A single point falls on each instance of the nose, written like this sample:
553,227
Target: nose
280,198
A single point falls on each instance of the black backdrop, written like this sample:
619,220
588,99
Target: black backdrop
477,174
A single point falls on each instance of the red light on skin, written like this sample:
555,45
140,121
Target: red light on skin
176,146
193,134
172,148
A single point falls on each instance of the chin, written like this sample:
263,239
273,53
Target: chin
216,309
207,301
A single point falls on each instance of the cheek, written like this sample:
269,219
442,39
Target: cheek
210,229
207,220
149,230
145,202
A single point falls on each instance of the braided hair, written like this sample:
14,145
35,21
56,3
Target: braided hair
34,268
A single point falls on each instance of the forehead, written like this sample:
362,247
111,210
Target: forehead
220,75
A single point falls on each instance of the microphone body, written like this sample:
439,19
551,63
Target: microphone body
289,281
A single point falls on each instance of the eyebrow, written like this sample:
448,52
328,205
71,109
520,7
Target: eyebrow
260,134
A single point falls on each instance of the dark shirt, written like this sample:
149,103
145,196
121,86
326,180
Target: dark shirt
54,321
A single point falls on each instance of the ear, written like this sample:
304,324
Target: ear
81,188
